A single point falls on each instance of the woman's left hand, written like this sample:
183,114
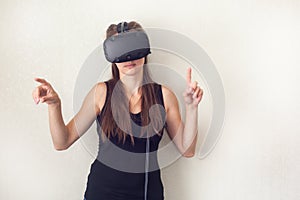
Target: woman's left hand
193,93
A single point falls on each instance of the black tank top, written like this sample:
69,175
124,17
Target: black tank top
118,173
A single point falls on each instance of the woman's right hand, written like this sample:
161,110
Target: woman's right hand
44,93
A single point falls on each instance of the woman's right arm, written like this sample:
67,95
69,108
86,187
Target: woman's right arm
63,136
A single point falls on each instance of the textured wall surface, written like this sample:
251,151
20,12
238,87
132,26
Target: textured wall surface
255,46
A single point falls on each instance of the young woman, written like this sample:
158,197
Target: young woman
116,104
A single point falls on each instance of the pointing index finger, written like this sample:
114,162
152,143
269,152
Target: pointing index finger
188,76
40,80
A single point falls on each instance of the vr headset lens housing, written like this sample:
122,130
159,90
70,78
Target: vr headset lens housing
126,46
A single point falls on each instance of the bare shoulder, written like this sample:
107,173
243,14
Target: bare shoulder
169,97
166,91
100,95
100,88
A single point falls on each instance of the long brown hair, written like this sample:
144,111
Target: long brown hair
110,116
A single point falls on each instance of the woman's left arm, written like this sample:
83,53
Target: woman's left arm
183,135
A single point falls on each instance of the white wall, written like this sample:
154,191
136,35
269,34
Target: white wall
255,46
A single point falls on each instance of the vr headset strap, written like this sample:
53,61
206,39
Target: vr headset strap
122,27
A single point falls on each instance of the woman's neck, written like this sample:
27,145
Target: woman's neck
132,84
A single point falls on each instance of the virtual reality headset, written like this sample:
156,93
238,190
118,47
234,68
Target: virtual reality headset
127,45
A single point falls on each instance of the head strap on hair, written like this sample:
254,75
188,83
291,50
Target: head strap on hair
122,27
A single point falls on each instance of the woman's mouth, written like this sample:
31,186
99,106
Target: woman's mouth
130,65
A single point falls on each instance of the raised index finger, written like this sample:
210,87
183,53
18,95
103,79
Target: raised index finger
40,80
189,76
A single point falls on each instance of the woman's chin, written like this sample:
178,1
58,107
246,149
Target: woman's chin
132,69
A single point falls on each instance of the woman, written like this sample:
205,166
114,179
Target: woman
116,104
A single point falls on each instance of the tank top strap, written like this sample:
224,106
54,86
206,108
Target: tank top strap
160,100
158,91
100,115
